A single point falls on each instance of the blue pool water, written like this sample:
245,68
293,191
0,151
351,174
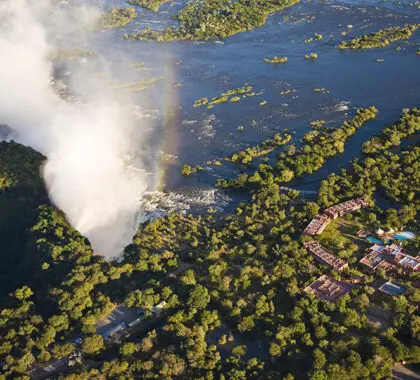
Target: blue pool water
404,235
374,240
392,289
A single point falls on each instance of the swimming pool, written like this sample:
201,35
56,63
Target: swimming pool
405,235
392,289
372,239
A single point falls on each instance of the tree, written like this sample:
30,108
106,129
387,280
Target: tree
128,349
275,349
188,278
362,301
371,218
319,359
59,322
246,323
239,351
286,175
186,170
415,327
63,350
92,344
23,293
311,209
172,365
320,332
199,297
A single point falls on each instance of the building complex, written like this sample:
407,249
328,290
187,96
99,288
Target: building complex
327,288
324,256
346,207
318,224
390,258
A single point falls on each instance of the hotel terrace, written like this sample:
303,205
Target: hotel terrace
346,207
324,256
318,224
327,288
390,258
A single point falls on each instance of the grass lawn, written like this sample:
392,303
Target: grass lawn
340,236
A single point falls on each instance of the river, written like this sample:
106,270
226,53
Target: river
192,70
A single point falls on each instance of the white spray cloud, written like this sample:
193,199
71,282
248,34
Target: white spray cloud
91,171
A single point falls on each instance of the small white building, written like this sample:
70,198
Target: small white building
379,232
158,309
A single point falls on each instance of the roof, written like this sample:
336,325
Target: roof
327,288
324,255
113,330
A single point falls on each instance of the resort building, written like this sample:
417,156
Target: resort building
324,256
389,258
346,207
397,255
373,257
317,225
327,288
108,334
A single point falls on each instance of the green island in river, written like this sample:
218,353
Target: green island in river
381,38
152,5
117,17
207,19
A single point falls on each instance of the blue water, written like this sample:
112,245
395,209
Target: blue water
197,135
392,289
404,235
374,240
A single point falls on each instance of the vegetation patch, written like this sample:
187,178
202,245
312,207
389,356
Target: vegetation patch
287,92
381,38
233,96
152,5
319,145
340,237
321,90
275,59
312,56
315,37
197,285
207,19
117,17
407,125
266,147
187,170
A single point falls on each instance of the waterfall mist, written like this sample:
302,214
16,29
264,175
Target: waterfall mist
96,169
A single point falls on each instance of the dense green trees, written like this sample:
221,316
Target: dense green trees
153,5
381,38
117,17
92,344
407,125
209,19
320,145
21,191
246,156
228,287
